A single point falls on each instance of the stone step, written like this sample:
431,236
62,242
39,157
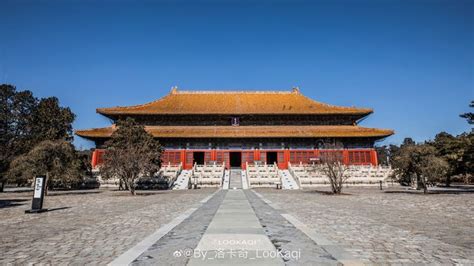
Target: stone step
182,182
235,179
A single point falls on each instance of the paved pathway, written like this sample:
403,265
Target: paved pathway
296,248
237,227
235,236
235,178
177,246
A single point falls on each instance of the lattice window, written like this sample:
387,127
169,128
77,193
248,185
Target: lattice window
189,158
281,156
100,156
173,157
220,156
247,156
207,156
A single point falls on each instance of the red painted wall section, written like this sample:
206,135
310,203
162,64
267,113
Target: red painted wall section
345,157
350,157
287,158
373,157
94,159
97,157
256,155
247,156
189,160
263,156
282,163
183,157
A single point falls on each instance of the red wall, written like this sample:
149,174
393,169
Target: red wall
97,155
350,156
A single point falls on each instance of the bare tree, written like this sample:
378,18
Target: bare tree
335,169
131,153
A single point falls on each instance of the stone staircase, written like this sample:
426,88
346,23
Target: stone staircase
182,182
287,181
235,178
226,183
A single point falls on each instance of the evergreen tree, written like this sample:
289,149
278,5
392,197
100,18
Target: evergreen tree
16,116
469,116
25,121
55,159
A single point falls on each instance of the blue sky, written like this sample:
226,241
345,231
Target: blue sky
412,61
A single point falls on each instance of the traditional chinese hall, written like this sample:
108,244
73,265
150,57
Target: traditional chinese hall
236,128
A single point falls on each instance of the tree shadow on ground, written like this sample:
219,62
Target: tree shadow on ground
46,210
7,203
434,191
325,192
58,209
71,192
142,193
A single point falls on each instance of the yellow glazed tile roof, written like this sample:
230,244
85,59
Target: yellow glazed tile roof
235,103
246,132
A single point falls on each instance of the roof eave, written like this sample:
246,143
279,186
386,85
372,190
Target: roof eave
110,114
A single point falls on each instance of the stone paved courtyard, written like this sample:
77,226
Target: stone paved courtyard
379,227
94,227
375,227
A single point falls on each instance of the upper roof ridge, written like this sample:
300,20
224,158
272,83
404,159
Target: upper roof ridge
294,90
231,92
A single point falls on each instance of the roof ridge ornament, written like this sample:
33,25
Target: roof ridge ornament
174,90
233,92
295,90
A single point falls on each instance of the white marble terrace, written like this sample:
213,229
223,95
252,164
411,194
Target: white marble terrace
263,175
208,175
311,175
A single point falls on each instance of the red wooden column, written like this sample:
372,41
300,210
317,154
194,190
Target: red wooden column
345,156
373,158
97,157
256,155
94,158
286,156
182,156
